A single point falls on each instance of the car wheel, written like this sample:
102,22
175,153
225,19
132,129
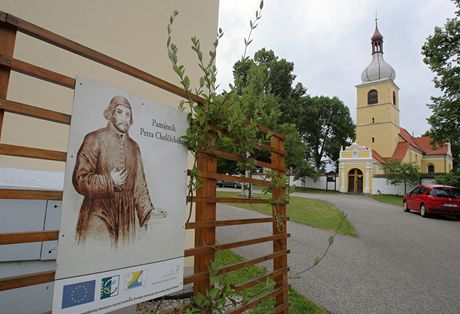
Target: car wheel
423,212
405,207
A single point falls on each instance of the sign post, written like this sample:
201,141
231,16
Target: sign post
121,240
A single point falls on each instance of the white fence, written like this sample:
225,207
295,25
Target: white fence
26,258
379,185
320,183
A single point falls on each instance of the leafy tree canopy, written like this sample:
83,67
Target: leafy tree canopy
452,178
325,126
400,172
278,79
441,53
322,124
256,97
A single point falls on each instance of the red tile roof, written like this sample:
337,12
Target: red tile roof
400,151
421,143
377,157
409,138
424,144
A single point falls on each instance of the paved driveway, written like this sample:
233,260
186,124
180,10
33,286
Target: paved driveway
399,263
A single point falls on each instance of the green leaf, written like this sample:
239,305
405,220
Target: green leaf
186,82
194,40
177,70
316,260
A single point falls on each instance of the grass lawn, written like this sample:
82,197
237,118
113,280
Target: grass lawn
310,190
389,199
311,212
298,303
298,189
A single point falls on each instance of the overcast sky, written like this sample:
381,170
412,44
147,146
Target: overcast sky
329,43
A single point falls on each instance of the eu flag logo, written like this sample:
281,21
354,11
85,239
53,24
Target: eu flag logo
78,293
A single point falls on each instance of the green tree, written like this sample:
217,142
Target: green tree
400,172
325,126
324,123
452,178
264,87
257,105
277,79
441,53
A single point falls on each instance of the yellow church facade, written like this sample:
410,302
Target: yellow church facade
379,136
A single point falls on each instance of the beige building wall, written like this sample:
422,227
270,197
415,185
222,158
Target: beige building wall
383,137
441,163
385,89
359,157
131,31
414,156
377,125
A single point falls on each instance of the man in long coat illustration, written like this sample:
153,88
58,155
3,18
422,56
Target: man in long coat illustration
109,174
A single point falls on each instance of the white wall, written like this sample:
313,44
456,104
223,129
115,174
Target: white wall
380,184
320,183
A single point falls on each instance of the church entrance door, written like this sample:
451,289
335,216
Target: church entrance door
355,181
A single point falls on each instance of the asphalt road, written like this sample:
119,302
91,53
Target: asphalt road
399,263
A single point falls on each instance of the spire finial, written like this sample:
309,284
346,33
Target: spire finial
377,39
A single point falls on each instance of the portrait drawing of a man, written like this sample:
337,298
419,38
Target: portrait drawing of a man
109,174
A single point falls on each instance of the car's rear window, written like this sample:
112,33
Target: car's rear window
445,192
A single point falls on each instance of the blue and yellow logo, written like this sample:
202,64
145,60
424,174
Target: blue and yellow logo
135,279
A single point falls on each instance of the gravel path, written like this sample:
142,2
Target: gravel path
399,263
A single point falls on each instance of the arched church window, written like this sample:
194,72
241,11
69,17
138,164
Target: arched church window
373,140
394,98
430,168
372,97
373,120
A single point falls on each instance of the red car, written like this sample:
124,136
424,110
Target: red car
433,199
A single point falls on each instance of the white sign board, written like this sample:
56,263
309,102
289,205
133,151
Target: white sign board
122,226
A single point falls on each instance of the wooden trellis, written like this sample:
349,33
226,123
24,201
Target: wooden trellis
205,219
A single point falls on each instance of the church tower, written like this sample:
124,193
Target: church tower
379,135
377,114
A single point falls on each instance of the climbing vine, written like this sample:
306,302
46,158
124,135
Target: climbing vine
219,116
213,121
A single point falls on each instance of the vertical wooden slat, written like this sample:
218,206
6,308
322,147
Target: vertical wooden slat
205,211
279,225
205,233
7,41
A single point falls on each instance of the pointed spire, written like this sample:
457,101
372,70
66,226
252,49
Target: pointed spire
378,69
377,39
